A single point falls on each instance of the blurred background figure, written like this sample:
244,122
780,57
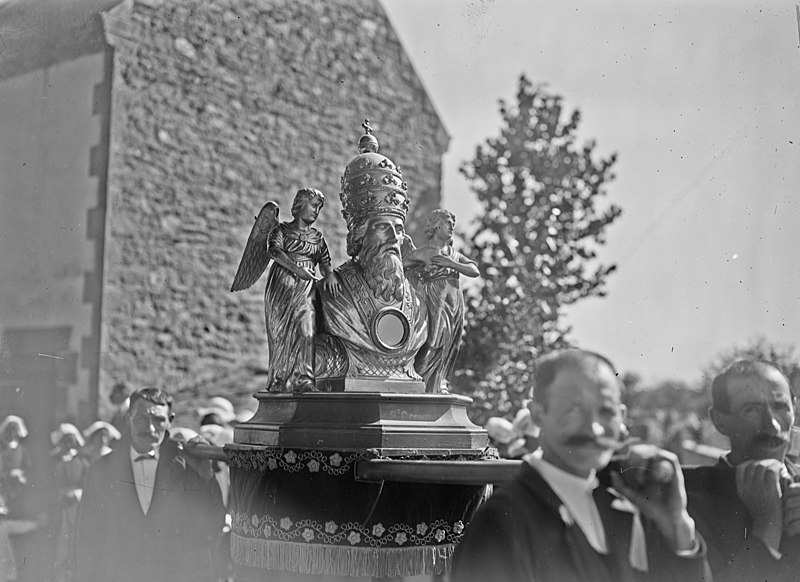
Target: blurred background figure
212,419
68,471
526,433
501,433
516,439
8,528
684,434
14,462
99,436
246,411
120,401
222,410
219,436
151,509
182,435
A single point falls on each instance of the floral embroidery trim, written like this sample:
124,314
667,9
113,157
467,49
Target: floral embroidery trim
378,535
294,461
335,463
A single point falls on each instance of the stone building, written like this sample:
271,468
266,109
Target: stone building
138,142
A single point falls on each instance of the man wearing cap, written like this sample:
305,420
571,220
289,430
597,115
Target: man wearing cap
747,506
558,520
150,510
374,324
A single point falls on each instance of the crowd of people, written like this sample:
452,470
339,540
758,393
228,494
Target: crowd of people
73,520
589,502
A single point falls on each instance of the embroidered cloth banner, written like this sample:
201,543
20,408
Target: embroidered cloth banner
303,511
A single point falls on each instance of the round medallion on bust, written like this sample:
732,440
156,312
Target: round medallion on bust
389,329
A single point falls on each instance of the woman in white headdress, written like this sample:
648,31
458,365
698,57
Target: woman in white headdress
68,472
14,461
100,436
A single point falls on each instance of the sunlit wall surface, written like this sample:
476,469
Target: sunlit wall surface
48,234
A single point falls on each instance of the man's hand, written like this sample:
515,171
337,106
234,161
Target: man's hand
791,509
201,465
758,484
664,503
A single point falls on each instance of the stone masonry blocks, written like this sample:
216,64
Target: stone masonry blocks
218,107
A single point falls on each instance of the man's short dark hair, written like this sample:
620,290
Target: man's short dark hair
548,366
720,397
152,395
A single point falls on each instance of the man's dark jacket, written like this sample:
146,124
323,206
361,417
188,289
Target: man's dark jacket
117,542
519,535
727,526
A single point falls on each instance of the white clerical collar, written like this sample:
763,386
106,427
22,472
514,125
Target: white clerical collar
575,494
561,480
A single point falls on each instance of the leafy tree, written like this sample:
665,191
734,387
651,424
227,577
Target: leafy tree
535,245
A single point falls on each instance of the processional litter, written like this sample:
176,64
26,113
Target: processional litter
358,372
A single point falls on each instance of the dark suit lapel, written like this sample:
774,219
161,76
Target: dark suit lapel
618,526
161,483
169,461
589,564
718,511
735,520
127,498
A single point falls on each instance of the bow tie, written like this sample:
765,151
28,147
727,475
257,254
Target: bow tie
151,456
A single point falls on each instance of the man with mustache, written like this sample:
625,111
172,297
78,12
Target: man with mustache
558,520
149,511
747,506
374,324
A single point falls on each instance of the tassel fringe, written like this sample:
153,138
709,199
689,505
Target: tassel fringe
305,558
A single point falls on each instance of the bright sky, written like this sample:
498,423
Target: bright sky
700,100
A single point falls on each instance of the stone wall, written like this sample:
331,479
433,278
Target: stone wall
54,117
218,107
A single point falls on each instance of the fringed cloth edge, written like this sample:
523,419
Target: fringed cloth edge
305,558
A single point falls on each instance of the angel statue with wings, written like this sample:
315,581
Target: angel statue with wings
290,251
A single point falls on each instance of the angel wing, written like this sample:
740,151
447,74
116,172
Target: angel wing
256,255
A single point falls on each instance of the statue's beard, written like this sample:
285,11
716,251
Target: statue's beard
383,272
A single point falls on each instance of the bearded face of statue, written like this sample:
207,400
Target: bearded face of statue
380,257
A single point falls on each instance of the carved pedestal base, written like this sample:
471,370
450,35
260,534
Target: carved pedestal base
392,424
